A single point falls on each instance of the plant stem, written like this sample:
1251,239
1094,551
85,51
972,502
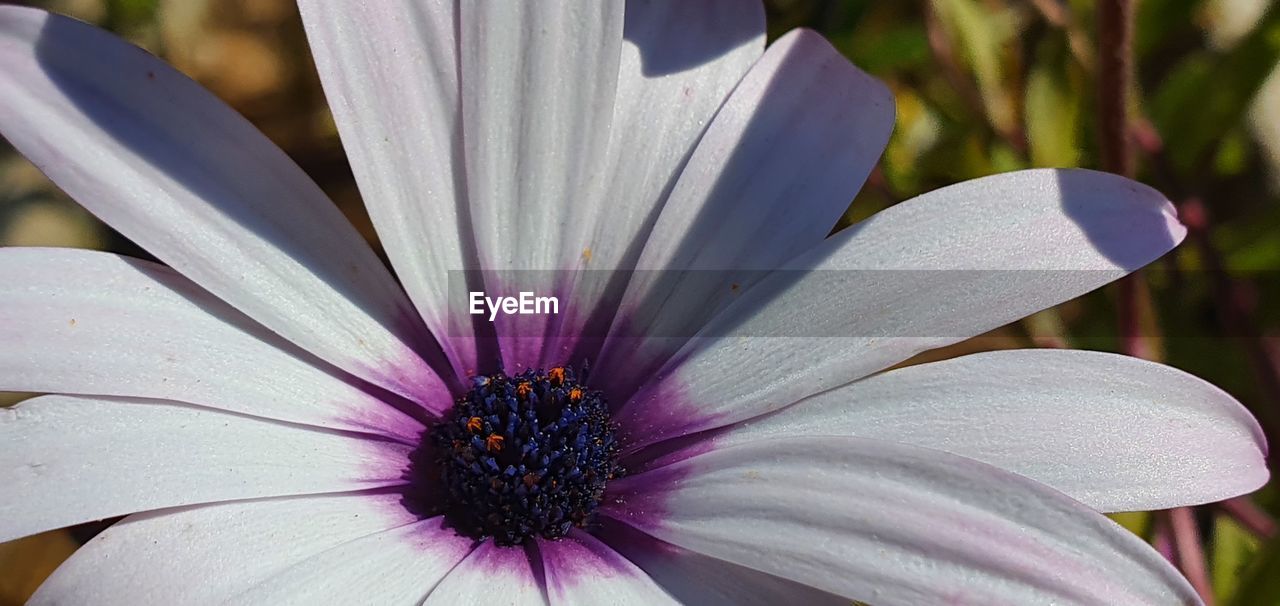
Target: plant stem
1115,73
1115,76
1250,516
1190,552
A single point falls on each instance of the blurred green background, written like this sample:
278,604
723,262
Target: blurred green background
982,86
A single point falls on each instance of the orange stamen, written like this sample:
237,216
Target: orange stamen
475,424
575,394
556,375
523,389
494,442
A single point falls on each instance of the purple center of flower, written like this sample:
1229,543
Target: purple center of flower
525,456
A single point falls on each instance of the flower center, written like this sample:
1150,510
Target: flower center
525,456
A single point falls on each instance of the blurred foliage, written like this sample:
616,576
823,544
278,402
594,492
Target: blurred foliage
26,562
982,86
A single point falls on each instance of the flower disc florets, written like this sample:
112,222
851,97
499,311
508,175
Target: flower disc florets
523,456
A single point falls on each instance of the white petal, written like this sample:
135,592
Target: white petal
92,323
778,164
538,83
579,569
894,524
390,74
1114,432
397,566
153,557
934,270
68,460
490,573
693,578
679,62
777,167
177,171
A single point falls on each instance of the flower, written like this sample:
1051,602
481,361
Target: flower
284,423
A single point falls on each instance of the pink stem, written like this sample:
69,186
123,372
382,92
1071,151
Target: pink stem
1190,552
1250,516
1162,538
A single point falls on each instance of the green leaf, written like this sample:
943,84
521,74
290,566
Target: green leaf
1233,548
1208,94
982,35
1233,153
915,134
1137,522
886,51
1159,23
1260,582
1053,109
129,14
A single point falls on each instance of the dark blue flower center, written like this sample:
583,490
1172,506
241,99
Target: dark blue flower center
525,456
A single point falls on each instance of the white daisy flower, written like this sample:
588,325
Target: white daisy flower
282,423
